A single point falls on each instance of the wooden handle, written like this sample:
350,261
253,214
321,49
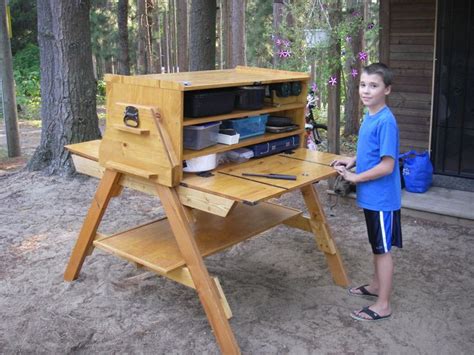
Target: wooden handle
127,169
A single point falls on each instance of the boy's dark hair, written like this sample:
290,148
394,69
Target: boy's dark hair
380,69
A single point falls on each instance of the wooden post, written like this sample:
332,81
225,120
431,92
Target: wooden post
205,286
108,187
7,91
323,235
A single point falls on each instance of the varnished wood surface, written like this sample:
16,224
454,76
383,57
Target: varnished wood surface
154,246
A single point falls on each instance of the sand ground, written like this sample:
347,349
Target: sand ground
277,284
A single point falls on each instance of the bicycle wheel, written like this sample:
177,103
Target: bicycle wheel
316,136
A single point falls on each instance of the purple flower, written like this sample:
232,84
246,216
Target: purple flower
332,81
363,56
348,39
284,53
356,13
370,26
278,42
286,43
354,72
314,87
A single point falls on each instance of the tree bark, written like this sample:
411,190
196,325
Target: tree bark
123,55
278,6
68,88
351,106
182,34
235,48
143,55
202,39
7,91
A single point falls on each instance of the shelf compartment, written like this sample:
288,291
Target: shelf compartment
218,148
189,121
153,244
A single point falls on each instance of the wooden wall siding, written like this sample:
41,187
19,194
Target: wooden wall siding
411,31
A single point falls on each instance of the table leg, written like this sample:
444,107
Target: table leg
323,235
205,286
108,187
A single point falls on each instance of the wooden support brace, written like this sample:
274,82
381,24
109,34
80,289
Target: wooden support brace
104,193
205,286
323,236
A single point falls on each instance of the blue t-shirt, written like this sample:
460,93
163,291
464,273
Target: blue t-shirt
378,137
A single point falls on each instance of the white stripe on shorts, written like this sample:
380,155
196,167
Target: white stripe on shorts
384,236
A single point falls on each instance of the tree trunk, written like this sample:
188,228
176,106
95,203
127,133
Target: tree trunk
278,6
157,52
143,58
351,106
334,93
123,56
68,88
235,53
202,39
7,90
182,34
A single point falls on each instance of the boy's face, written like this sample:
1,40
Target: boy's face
372,91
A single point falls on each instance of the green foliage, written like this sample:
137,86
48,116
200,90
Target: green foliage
100,92
258,33
26,71
24,24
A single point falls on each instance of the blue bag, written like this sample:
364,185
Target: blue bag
417,171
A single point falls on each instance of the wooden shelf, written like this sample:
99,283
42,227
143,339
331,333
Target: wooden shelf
219,148
188,121
153,245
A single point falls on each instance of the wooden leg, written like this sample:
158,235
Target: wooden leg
107,188
205,286
323,235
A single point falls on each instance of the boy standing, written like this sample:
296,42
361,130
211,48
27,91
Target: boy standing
377,178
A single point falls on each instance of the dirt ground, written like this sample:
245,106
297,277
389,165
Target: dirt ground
277,284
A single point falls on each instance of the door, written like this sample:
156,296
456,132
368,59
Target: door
453,104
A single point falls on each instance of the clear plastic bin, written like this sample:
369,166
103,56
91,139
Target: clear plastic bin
201,136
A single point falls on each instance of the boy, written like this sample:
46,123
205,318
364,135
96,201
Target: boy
377,178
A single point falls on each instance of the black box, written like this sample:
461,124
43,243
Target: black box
250,97
275,146
201,103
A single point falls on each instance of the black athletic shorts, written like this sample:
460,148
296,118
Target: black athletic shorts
384,230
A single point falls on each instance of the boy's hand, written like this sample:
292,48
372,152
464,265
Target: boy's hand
344,161
346,174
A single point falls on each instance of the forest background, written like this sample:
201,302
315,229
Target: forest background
331,39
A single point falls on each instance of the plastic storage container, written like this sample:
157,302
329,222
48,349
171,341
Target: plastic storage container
201,136
250,97
275,146
208,102
239,155
248,127
199,164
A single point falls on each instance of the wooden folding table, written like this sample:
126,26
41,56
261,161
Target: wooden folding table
205,215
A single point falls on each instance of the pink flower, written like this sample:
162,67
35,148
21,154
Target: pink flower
354,72
284,53
348,39
370,26
314,87
363,56
278,42
332,81
286,43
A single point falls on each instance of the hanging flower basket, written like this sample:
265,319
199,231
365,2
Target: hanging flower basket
316,36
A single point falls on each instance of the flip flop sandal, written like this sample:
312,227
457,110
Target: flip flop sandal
363,290
374,316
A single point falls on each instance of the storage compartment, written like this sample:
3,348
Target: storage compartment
250,97
248,127
201,136
275,146
208,102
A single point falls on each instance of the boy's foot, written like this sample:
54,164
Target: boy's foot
361,291
368,315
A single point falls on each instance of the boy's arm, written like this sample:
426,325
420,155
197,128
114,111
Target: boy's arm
383,168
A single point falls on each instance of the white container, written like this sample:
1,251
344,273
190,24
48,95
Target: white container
227,139
204,163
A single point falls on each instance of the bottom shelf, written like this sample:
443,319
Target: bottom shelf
153,244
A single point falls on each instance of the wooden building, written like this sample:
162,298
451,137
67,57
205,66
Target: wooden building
429,44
